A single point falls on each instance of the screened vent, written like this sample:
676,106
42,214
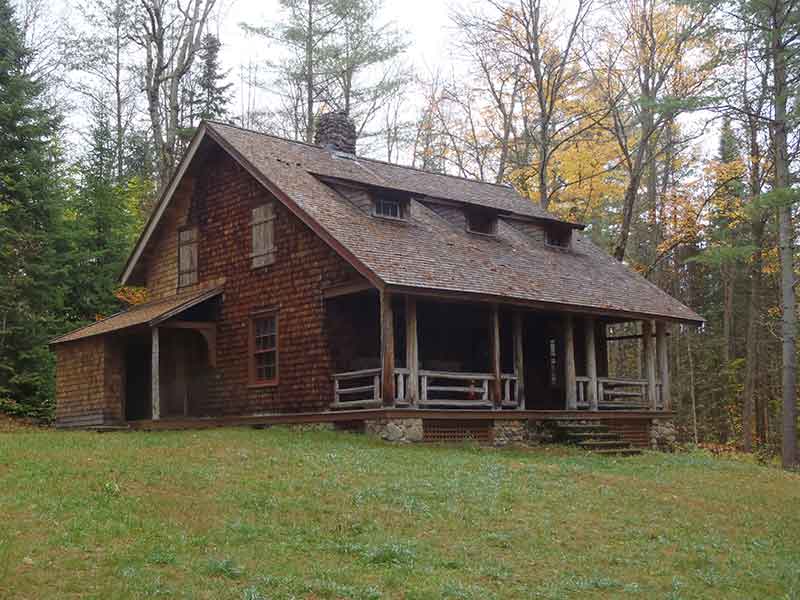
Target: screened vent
447,430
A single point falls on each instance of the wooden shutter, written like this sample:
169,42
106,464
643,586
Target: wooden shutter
187,257
263,235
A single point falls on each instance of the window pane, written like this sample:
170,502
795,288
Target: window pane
265,366
387,207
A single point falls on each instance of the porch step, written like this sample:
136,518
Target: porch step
607,444
581,436
619,451
595,437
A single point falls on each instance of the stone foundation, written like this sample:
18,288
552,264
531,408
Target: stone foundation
509,432
663,435
395,430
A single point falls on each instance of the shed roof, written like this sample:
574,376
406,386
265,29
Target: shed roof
149,313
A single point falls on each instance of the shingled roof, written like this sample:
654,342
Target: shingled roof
428,252
150,313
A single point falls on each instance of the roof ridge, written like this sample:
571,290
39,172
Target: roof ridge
366,158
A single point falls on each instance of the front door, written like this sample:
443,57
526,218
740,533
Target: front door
542,350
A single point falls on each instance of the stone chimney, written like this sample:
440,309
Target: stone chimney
336,131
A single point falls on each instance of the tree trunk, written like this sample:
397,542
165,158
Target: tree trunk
751,357
786,241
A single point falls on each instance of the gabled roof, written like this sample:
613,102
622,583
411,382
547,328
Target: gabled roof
149,313
427,252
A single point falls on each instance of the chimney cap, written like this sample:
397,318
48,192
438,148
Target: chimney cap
336,131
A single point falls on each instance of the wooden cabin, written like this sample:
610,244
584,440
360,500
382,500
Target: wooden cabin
293,282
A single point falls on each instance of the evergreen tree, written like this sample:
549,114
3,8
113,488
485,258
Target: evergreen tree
29,215
102,225
213,94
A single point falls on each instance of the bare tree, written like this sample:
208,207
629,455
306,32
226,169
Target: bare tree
170,34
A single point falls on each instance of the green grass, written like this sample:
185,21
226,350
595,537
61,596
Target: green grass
281,514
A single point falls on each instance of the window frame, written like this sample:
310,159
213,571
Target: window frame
268,220
491,218
378,200
549,234
192,243
253,351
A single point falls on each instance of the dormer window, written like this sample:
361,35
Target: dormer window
388,207
559,237
482,222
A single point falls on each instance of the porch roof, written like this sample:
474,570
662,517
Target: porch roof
149,313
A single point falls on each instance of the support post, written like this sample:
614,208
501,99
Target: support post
569,364
663,364
387,349
591,363
155,390
648,362
494,336
412,351
519,361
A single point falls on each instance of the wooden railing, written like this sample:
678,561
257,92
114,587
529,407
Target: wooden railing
357,389
616,393
362,389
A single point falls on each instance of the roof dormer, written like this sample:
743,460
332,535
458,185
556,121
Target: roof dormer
481,221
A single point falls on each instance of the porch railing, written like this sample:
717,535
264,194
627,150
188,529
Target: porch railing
362,389
617,393
357,389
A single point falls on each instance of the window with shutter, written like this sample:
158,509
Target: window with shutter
263,236
187,257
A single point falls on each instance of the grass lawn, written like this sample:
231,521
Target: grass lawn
280,513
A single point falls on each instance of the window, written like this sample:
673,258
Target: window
552,362
263,236
264,349
559,237
391,208
482,222
187,257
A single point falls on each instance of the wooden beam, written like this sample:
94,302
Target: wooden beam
494,355
648,362
346,289
387,349
155,390
570,381
412,350
208,329
663,363
519,360
591,363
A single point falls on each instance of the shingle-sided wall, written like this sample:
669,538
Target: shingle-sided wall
89,382
221,203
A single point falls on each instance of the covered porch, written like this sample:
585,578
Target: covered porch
420,352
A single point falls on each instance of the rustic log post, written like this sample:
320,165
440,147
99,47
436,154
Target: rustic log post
570,382
648,362
387,349
494,345
155,390
519,361
591,364
412,351
663,364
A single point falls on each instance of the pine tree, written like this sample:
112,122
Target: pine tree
29,214
213,94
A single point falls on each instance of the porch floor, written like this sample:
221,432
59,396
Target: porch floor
394,413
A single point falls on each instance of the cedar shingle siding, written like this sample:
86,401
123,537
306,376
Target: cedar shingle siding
318,232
